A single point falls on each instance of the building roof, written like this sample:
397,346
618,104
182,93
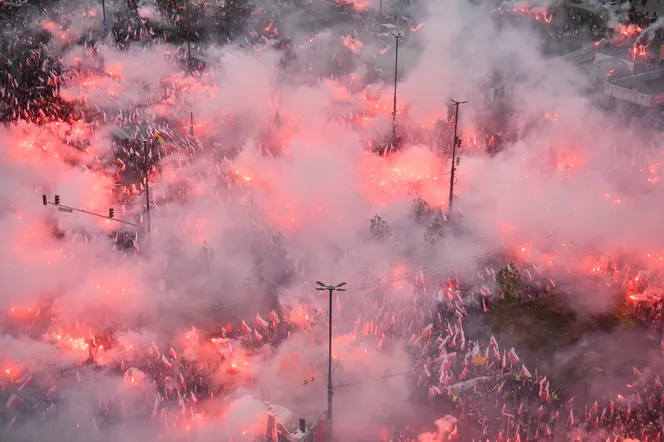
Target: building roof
600,70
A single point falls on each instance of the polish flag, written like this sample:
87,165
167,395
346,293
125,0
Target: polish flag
258,336
635,371
494,344
658,383
454,434
246,328
174,355
484,307
11,424
274,317
427,331
514,359
193,398
51,392
13,401
30,379
261,323
525,373
166,362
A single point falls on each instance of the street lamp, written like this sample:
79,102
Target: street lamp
330,388
457,143
397,35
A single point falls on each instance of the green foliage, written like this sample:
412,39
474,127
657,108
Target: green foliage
436,230
508,279
420,210
379,229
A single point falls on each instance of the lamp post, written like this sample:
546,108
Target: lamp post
330,388
397,36
457,142
103,13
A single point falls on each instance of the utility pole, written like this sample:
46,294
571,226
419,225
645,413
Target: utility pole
103,13
191,123
457,142
330,387
189,66
186,11
397,36
147,184
380,8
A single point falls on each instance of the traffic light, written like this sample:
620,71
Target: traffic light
458,141
458,161
111,213
57,200
44,200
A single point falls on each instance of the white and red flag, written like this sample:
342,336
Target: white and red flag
512,356
261,323
13,401
274,317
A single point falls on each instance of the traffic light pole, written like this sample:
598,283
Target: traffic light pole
147,184
69,209
457,142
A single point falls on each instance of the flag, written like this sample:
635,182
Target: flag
571,418
174,355
246,328
658,383
494,344
258,336
427,331
11,424
166,362
30,379
454,434
635,371
484,307
193,398
260,322
274,317
13,401
525,373
514,359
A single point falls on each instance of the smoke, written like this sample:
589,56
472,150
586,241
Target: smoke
444,425
277,194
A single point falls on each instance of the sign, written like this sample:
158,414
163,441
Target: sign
630,95
65,209
479,360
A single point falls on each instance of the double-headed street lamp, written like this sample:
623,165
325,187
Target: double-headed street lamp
330,388
397,36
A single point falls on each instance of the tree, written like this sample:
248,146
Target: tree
379,229
420,210
436,231
508,280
